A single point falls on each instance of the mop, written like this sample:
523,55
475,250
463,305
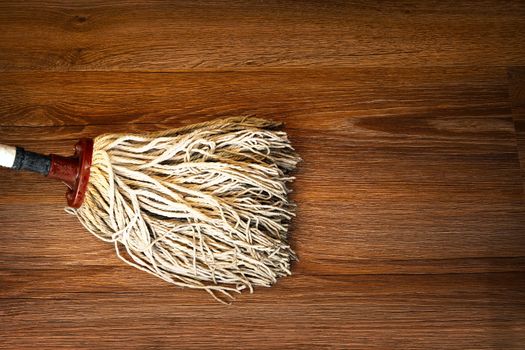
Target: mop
202,206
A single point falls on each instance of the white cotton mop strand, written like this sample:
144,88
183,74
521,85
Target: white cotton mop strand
203,206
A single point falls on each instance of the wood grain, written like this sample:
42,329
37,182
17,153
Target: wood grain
324,100
517,95
410,226
186,35
409,312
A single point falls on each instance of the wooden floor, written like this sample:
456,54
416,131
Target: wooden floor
410,119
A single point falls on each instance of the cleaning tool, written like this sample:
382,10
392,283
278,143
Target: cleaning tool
203,206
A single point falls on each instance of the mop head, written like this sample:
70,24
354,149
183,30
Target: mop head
204,206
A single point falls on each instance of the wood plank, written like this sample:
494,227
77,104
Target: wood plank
132,35
324,100
69,281
480,311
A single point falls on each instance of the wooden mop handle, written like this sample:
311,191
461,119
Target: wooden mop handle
73,171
